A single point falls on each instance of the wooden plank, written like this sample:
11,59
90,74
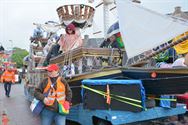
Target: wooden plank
36,49
43,40
86,52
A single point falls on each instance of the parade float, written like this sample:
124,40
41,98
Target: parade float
121,80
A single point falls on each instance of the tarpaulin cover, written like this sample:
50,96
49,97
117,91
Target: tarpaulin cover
114,82
110,81
166,103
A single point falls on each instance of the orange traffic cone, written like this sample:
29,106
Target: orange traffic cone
5,119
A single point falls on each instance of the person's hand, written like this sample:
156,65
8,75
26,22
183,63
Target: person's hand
66,105
46,101
60,51
70,104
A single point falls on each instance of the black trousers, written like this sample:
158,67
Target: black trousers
7,87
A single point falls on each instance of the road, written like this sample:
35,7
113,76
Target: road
17,107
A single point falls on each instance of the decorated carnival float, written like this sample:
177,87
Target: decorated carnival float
120,79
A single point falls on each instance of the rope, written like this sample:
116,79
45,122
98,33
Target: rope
130,99
122,97
70,58
111,56
165,99
133,104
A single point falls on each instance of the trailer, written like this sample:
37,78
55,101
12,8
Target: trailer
109,117
128,104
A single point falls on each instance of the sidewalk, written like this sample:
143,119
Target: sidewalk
16,107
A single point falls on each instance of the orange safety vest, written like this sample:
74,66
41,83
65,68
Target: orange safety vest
58,94
8,76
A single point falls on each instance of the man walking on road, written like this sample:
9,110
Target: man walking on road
59,93
8,77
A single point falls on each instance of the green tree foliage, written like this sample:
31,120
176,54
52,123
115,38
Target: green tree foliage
18,56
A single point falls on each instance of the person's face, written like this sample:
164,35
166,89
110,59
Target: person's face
69,31
9,69
112,38
23,76
53,73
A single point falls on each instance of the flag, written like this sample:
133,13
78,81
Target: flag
119,40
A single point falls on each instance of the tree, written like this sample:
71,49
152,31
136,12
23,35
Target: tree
18,55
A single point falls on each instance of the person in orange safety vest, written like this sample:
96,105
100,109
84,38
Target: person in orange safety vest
8,77
58,92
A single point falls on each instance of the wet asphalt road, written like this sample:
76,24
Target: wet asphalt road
16,107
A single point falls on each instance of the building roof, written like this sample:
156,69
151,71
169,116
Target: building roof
179,13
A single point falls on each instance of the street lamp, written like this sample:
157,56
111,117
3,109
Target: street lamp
136,1
11,49
11,44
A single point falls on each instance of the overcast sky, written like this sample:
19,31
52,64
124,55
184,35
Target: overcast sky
17,16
